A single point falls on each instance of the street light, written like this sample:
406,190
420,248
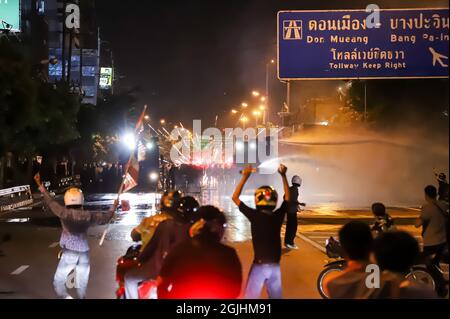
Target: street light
147,117
163,121
154,176
150,145
256,93
244,120
257,114
130,141
234,111
244,105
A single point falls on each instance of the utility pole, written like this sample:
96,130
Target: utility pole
69,62
267,110
365,101
288,95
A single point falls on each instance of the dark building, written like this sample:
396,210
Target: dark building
107,79
78,54
35,29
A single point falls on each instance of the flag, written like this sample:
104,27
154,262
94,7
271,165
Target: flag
131,177
141,120
131,174
132,171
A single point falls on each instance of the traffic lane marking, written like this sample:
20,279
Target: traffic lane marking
20,270
312,243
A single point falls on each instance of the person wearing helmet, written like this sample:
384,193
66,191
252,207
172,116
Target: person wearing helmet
443,190
185,208
383,221
167,235
266,225
145,230
291,220
75,222
211,270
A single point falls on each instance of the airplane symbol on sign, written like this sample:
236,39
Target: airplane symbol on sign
437,58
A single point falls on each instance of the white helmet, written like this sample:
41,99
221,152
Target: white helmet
297,180
73,197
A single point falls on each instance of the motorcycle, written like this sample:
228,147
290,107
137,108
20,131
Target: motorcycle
336,265
418,273
146,289
124,263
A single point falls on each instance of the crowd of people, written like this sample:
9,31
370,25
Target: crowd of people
182,252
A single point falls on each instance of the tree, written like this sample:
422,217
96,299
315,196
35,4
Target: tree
34,116
100,126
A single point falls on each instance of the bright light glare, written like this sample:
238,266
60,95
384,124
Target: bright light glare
255,93
129,140
244,104
149,145
154,176
234,111
239,146
324,123
253,146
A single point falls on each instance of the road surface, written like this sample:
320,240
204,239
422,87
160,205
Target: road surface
30,258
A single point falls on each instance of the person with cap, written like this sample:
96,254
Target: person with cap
291,216
75,222
266,222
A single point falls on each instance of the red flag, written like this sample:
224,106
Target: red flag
131,177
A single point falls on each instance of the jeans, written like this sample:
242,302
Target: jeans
264,274
291,228
72,260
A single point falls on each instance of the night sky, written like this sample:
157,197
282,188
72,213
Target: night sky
197,59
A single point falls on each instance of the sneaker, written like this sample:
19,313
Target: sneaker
294,246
